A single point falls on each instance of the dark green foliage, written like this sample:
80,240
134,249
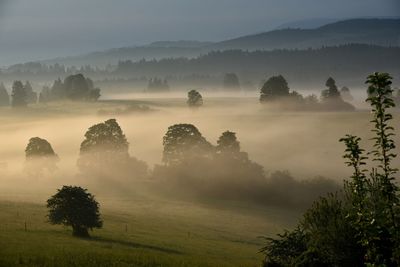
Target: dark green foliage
332,93
285,251
104,152
58,91
75,87
194,99
157,85
231,82
274,88
229,147
195,167
374,211
182,142
330,235
74,206
363,227
380,215
323,238
104,145
45,95
38,147
18,95
40,156
280,188
228,143
4,97
276,91
191,162
107,136
331,98
300,66
31,96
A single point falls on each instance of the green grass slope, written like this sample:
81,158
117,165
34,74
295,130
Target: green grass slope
139,233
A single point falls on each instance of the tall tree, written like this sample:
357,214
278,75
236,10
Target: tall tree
104,151
45,95
228,143
274,88
76,87
18,95
332,93
31,96
363,228
157,85
184,141
104,142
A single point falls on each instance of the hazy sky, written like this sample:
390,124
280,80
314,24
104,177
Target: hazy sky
39,29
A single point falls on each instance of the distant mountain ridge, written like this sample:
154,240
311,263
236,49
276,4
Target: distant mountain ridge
306,23
385,32
382,32
182,43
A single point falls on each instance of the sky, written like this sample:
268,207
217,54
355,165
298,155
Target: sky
42,29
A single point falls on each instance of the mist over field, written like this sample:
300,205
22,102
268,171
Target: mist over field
213,133
303,143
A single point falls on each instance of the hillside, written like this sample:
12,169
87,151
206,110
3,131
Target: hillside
384,32
348,63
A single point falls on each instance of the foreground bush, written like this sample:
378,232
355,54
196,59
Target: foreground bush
361,226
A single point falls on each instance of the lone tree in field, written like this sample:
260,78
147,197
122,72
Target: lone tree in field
74,206
231,82
4,97
274,88
184,141
194,99
18,95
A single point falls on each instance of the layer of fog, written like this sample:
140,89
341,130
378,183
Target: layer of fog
303,143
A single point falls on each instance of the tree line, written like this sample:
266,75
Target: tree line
74,87
191,165
350,63
276,91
